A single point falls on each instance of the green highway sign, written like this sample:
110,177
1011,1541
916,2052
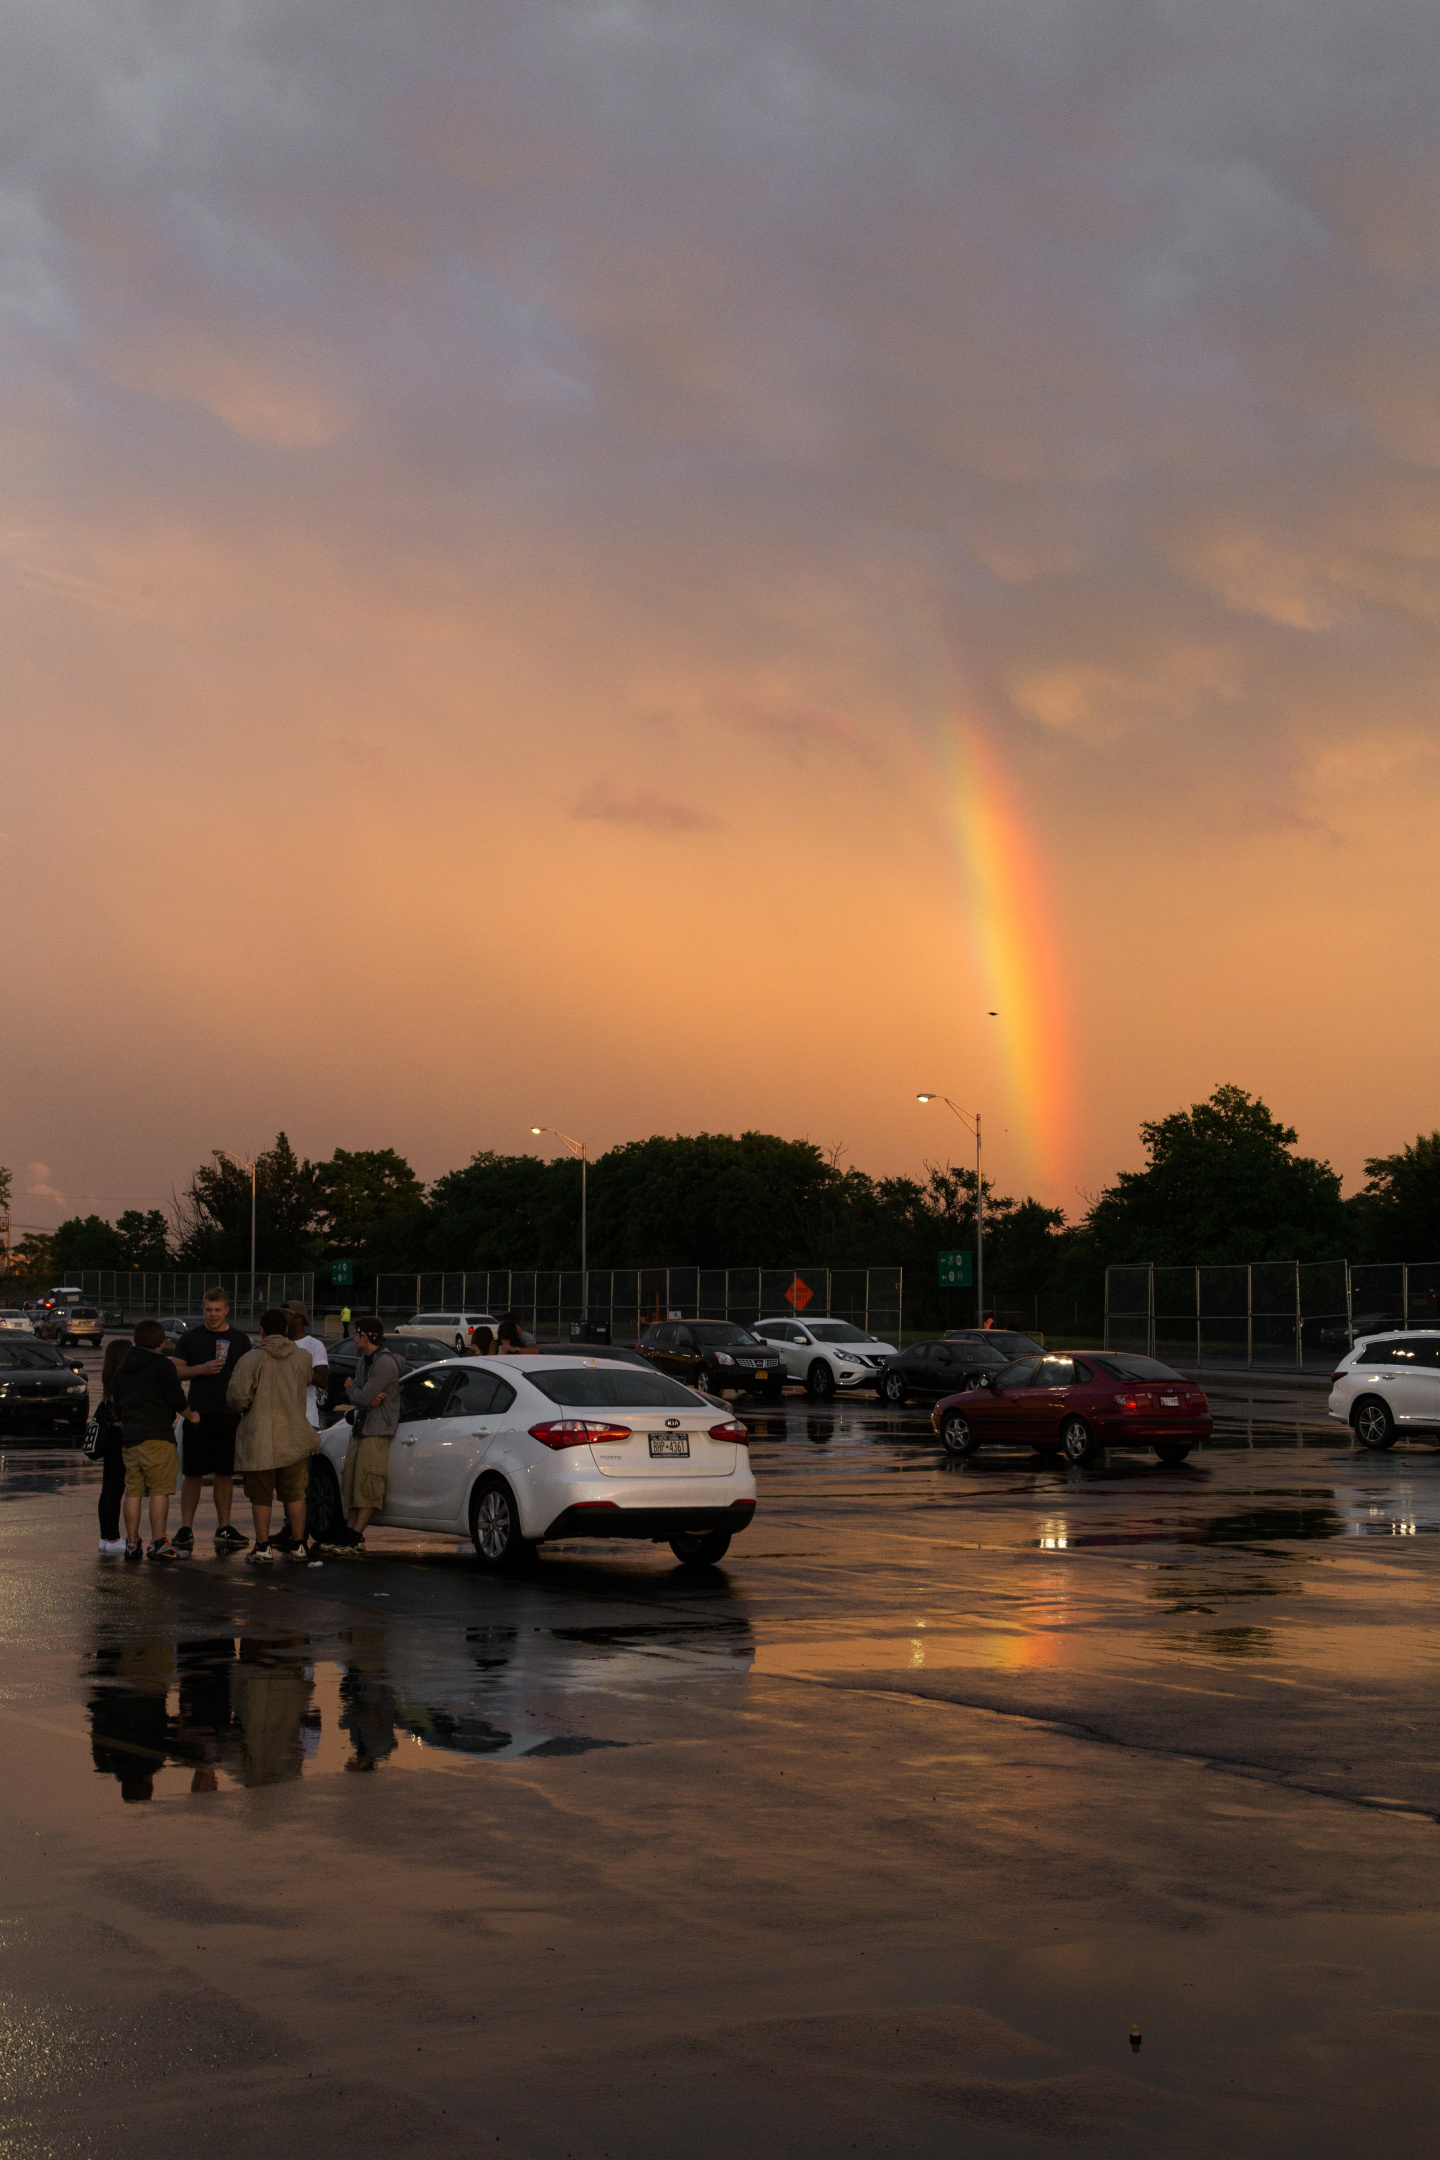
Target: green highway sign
341,1271
957,1270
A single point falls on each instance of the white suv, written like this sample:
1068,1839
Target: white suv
451,1328
1387,1383
826,1354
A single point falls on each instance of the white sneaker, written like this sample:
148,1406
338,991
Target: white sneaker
112,1547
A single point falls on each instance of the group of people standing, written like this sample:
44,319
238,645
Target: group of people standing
254,1410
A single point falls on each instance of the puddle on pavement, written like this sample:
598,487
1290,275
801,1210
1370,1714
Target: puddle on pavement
231,1711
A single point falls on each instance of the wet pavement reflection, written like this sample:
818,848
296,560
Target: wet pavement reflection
882,1835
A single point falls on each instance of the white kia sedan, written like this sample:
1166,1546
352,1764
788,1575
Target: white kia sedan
514,1451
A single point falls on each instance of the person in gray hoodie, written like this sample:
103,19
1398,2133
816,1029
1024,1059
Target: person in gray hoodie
275,1441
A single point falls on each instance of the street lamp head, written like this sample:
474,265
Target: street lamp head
537,1128
924,1098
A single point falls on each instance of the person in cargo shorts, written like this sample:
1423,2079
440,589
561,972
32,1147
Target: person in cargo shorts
375,1393
275,1441
149,1398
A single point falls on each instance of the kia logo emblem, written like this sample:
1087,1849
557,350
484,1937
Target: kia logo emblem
672,1421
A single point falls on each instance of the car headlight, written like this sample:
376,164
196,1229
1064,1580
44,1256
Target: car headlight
78,1387
723,1357
4,1387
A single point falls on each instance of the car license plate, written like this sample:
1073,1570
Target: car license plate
1169,1402
669,1443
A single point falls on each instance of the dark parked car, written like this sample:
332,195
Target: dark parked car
412,1351
1335,1334
41,1391
938,1368
1005,1340
1076,1406
715,1354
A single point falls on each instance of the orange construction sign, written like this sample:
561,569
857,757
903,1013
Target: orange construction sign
799,1294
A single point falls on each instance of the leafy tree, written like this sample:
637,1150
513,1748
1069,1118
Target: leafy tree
32,1263
87,1242
6,1181
1397,1211
362,1200
1222,1184
136,1241
215,1213
145,1238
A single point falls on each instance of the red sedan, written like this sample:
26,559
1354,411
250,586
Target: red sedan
1077,1405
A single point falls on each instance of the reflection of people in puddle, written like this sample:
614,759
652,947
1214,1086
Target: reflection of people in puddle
270,1689
128,1735
204,1730
369,1699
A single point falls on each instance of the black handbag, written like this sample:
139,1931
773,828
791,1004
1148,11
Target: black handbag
97,1430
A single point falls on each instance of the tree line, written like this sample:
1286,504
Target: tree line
1223,1181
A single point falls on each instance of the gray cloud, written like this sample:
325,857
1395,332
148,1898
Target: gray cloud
605,804
1088,351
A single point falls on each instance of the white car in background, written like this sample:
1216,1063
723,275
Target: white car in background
451,1328
824,1355
511,1451
12,1317
1387,1385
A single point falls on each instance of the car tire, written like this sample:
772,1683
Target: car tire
459,1346
324,1508
700,1548
1078,1443
1172,1452
892,1390
1372,1425
495,1527
820,1381
958,1436
711,1382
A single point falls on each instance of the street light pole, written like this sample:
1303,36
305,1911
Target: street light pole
971,1124
577,1148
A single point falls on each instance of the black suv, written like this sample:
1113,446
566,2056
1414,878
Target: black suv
939,1368
715,1354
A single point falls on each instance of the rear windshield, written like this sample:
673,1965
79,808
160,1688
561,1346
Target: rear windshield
621,1388
1138,1368
715,1334
83,1312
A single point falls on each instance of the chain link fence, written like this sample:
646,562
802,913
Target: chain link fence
627,1300
1265,1315
164,1295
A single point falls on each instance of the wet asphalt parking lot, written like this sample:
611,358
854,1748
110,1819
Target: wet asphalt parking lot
880,1838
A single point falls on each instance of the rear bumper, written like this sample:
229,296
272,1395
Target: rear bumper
607,1520
1144,1432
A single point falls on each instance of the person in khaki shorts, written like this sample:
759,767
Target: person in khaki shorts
276,1439
375,1393
149,1398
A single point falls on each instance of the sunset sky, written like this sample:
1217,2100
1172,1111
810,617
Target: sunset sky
646,567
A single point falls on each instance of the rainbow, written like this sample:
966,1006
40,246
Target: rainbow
1012,925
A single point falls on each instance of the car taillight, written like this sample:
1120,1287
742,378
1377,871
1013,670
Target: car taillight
732,1430
1335,1376
1127,1402
575,1432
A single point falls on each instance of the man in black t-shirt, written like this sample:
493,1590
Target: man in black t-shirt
206,1356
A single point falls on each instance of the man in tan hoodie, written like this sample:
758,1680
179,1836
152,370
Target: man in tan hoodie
276,1439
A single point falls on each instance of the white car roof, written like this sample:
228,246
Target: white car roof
1396,1334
